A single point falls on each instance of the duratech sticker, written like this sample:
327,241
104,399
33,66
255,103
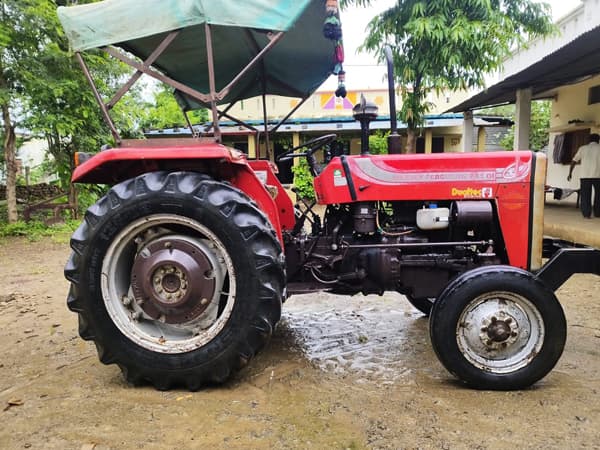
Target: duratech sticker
470,192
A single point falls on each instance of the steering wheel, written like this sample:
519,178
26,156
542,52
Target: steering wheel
311,147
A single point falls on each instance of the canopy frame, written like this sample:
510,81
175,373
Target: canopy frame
209,99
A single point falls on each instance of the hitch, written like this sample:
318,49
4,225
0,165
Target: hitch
566,259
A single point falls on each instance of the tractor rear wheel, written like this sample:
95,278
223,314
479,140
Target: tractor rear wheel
177,278
498,327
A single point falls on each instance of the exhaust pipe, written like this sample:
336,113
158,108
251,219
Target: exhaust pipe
394,140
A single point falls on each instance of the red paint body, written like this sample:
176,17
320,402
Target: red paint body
504,177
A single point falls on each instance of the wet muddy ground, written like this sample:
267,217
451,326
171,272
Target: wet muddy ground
340,373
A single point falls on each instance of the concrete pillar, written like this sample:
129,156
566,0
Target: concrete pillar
251,146
522,119
295,139
481,139
428,140
467,134
295,143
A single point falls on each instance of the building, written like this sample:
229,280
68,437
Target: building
324,113
564,69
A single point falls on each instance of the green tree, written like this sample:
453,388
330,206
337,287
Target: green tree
538,131
166,113
23,32
539,124
448,45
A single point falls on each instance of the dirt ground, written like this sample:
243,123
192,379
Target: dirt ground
340,373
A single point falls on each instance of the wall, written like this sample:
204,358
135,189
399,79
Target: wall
571,103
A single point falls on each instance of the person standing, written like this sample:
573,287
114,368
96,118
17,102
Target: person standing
588,156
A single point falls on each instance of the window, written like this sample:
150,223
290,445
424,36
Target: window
594,95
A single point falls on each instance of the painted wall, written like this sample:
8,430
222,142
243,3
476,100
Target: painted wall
571,103
320,104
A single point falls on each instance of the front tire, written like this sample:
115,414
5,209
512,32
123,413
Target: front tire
498,328
177,278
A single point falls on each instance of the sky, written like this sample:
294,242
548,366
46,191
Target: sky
362,71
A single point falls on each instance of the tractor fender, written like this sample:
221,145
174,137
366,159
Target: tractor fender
223,163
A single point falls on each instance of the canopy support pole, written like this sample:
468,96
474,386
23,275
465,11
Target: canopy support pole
282,121
265,119
146,64
189,123
103,108
157,75
212,83
273,41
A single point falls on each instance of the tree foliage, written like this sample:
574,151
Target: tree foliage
539,124
166,113
449,44
43,90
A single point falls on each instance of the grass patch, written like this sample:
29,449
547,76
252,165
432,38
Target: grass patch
34,231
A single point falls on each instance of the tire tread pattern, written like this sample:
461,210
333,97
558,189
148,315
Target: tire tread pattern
239,211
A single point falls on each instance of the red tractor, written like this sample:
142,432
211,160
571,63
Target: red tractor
179,272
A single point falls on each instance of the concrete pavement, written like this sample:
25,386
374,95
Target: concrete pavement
563,220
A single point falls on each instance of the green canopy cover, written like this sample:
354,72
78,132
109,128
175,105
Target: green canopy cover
295,67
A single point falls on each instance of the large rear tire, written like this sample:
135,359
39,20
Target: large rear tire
177,278
498,327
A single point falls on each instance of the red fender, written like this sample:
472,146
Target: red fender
116,165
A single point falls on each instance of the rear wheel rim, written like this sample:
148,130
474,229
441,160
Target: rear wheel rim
500,332
168,283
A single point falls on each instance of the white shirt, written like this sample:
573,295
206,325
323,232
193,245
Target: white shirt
589,156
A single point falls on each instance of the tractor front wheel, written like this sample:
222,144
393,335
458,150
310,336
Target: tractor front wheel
498,327
177,278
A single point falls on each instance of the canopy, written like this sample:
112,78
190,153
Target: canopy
294,67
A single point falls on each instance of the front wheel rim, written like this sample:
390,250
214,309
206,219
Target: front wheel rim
168,304
500,332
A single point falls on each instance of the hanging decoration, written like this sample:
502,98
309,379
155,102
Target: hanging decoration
332,30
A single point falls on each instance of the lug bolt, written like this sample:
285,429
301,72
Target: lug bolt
126,300
168,245
493,319
508,320
136,315
204,302
157,280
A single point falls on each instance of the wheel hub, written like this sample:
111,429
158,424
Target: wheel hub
172,279
499,331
